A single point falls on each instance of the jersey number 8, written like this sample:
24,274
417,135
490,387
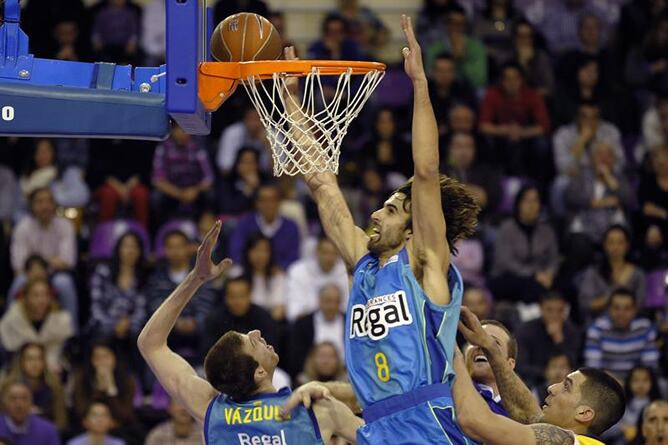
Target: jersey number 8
382,368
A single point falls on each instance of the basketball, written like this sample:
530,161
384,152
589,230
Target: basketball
245,37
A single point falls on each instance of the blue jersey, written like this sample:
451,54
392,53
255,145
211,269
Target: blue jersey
397,340
257,422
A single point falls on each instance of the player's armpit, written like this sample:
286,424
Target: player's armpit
551,435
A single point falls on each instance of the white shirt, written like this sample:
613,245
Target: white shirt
231,141
268,294
304,281
154,37
330,331
55,240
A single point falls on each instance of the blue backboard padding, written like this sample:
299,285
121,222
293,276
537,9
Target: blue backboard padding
67,112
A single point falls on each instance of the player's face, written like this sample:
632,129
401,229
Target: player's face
562,400
476,360
388,225
257,347
655,424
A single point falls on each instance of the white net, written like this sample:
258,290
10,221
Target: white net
306,134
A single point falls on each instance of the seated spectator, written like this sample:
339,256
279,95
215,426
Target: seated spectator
118,304
550,335
181,429
653,426
515,118
310,274
186,336
327,323
653,201
641,388
620,340
115,32
534,61
97,422
335,42
266,219
239,187
239,314
599,195
182,176
432,20
478,300
367,191
388,148
248,132
557,368
446,90
41,171
36,268
48,396
37,318
494,29
8,195
654,129
468,53
470,259
68,42
154,35
461,119
647,63
323,364
366,28
482,181
104,378
18,424
526,254
613,271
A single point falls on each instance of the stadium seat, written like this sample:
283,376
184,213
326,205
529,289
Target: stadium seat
656,293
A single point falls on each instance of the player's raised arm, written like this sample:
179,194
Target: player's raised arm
430,246
334,213
175,374
481,424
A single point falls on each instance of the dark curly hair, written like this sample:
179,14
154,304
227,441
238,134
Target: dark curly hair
459,208
229,369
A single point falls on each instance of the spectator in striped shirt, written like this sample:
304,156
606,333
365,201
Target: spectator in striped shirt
620,340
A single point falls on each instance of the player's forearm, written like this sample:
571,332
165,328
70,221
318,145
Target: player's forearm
157,329
425,131
344,392
470,408
516,396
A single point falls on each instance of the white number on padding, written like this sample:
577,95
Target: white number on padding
7,113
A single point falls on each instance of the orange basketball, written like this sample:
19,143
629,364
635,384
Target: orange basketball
244,37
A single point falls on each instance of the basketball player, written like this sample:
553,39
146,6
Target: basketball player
404,304
237,403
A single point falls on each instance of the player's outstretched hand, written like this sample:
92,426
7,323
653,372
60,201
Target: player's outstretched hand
292,82
305,394
205,268
472,330
412,52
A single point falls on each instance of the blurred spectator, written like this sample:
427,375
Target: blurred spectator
323,364
182,176
446,90
310,274
432,21
654,128
494,29
41,170
36,268
116,32
526,254
387,147
478,300
239,187
613,271
104,378
534,61
247,132
368,191
239,314
560,22
335,42
515,118
118,304
68,43
53,238
641,388
154,35
97,422
468,53
557,368
268,285
653,201
326,324
366,28
470,259
277,18
599,195
266,219
48,396
39,20
8,194
222,10
636,18
620,340
37,318
185,337
181,429
461,119
654,427
550,335
18,424
482,181
647,64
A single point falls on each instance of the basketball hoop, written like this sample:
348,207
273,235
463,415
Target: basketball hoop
305,134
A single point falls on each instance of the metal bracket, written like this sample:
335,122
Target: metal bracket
15,62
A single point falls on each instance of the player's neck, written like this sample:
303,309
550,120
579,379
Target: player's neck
383,257
266,387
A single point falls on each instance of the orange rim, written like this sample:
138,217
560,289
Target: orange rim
264,69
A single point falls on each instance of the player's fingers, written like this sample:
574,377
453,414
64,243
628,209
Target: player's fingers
292,402
326,394
307,400
407,26
212,234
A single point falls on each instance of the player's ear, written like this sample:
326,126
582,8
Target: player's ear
260,374
511,362
584,414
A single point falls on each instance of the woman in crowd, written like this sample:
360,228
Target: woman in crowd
323,364
653,201
641,388
238,189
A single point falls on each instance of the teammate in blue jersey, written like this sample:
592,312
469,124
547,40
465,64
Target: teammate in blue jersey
404,305
237,403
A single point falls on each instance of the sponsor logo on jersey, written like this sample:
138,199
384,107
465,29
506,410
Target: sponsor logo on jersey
380,314
260,413
262,439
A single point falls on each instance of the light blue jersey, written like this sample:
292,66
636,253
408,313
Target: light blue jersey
257,422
